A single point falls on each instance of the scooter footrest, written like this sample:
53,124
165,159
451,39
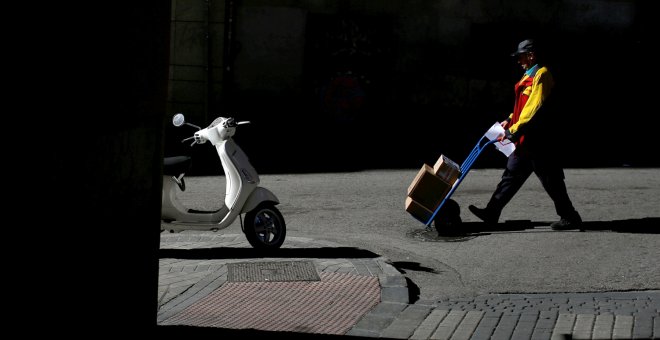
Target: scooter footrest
194,211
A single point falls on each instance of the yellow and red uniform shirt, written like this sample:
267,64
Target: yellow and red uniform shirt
530,92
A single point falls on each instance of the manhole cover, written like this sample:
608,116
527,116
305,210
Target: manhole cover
272,271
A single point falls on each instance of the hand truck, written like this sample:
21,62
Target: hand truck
464,169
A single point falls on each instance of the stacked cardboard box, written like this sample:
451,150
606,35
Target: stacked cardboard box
429,188
417,210
446,169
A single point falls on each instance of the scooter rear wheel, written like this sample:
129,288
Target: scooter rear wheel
264,227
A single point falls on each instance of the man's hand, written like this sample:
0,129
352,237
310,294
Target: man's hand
503,124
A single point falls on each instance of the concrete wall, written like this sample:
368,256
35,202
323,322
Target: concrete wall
196,55
430,76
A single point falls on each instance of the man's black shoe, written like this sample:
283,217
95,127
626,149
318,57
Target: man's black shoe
566,224
483,214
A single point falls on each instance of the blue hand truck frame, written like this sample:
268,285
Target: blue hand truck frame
465,168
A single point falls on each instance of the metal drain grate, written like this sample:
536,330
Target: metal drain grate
284,271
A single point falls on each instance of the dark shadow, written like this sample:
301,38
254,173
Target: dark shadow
414,266
413,291
648,225
250,253
181,332
509,225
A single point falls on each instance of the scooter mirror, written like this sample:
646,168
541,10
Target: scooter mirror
178,119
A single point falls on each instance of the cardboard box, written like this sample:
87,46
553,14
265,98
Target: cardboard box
417,210
417,178
428,189
447,169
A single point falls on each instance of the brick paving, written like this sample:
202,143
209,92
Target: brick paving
367,297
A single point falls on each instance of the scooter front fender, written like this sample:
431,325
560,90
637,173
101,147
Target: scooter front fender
259,195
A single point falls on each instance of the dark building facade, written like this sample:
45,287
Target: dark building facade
377,84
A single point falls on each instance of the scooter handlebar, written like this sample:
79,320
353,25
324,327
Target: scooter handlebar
201,136
189,138
197,139
216,131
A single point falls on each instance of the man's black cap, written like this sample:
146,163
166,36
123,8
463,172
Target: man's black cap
525,46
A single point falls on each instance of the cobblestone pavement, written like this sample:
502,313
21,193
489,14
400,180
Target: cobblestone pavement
193,267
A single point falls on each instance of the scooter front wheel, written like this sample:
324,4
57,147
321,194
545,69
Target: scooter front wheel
264,227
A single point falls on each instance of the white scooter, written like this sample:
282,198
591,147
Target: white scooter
263,226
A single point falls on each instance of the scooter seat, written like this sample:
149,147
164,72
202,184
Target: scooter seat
174,166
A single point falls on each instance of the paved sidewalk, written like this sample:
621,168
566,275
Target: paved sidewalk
314,288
